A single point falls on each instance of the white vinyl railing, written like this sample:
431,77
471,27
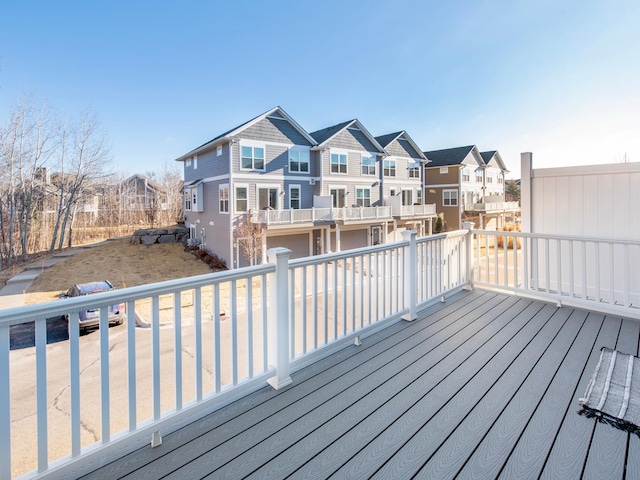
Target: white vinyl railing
495,206
310,215
213,338
190,345
418,210
595,273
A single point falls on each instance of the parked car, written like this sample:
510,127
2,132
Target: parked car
91,318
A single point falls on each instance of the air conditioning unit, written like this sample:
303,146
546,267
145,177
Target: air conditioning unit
312,181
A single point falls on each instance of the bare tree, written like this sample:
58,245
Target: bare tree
249,238
170,178
84,156
26,144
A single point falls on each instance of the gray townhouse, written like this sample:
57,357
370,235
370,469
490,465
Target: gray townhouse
331,190
464,181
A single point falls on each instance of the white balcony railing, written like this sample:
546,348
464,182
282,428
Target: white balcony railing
216,337
312,215
495,206
418,210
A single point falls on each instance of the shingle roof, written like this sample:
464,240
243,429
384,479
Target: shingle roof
385,140
448,156
487,156
321,135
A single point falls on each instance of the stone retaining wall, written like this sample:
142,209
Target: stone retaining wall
149,236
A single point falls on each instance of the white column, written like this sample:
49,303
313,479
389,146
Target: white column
279,316
410,275
338,248
328,240
264,245
470,261
526,206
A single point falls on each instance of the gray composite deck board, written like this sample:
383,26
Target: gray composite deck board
571,444
609,445
418,353
253,427
350,429
482,386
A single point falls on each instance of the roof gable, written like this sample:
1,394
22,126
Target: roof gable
493,157
405,142
325,135
454,156
275,112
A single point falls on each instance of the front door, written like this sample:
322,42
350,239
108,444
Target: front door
376,235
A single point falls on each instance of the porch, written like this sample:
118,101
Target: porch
484,385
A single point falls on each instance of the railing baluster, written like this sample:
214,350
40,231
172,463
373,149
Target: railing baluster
155,370
303,296
198,340
292,310
598,292
131,368
177,348
234,333
5,402
559,266
74,382
217,357
572,288
314,306
41,392
249,308
626,275
104,375
612,291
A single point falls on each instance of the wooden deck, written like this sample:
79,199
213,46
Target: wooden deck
482,386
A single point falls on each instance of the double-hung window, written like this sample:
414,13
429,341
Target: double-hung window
338,163
224,198
363,197
414,168
466,174
252,158
298,160
479,176
187,199
389,168
368,164
241,199
294,197
450,198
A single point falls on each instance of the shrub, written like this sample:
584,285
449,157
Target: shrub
510,227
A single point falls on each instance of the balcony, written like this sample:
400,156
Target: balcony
318,216
418,211
495,207
376,362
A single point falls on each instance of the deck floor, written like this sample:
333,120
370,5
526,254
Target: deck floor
484,386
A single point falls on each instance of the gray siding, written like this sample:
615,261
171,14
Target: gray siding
353,239
274,130
352,140
217,236
209,165
401,148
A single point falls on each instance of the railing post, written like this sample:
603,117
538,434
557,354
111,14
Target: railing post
5,404
470,261
279,316
410,274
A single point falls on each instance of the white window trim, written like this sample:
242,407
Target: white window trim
395,167
269,186
362,187
375,161
219,151
188,163
253,144
336,151
235,187
298,148
220,188
299,187
195,162
453,190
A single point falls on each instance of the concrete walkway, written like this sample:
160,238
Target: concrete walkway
13,293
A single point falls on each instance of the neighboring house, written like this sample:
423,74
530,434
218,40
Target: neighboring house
312,193
463,180
140,194
401,185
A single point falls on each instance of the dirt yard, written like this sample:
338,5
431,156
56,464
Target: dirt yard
118,261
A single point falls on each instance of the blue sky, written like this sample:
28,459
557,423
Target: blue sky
558,78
